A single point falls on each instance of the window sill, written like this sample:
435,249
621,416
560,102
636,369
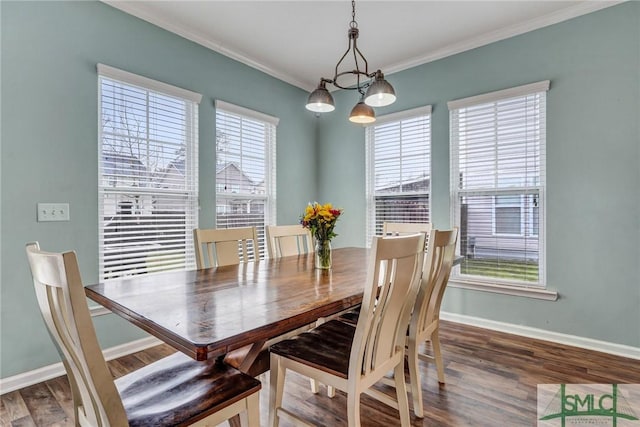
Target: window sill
520,291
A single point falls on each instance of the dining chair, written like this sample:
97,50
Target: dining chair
218,247
392,229
402,228
287,240
173,391
353,359
425,319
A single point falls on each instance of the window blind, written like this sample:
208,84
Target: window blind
148,175
245,169
398,169
498,184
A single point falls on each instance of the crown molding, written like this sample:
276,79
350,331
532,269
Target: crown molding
507,32
580,9
131,9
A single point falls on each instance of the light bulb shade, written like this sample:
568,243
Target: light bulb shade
362,114
380,93
320,100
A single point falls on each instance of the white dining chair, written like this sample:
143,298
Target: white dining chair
217,247
425,319
173,391
287,240
353,359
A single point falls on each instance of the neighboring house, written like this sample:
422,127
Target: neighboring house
412,207
506,222
124,171
489,223
230,179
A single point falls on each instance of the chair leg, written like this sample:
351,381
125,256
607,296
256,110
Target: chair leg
314,385
253,410
331,391
414,376
437,355
276,389
401,393
353,409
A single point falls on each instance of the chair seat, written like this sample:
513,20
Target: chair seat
350,317
178,390
326,347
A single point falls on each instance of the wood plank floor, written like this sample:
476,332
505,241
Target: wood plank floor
491,380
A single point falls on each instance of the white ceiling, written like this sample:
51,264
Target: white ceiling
300,41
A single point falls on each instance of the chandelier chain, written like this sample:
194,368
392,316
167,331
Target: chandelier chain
353,23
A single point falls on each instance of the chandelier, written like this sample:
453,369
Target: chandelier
374,90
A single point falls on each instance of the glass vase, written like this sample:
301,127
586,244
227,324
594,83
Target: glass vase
323,254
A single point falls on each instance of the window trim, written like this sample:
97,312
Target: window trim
147,83
494,284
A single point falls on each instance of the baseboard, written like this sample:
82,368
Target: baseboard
541,334
45,373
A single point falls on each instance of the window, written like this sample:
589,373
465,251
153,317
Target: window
148,174
498,184
245,169
398,169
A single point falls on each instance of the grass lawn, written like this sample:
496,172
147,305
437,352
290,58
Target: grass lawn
503,269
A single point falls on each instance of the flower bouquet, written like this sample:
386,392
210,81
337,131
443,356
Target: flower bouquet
321,220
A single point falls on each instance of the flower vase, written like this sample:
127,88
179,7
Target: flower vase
323,254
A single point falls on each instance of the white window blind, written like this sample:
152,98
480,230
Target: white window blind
148,175
498,185
398,169
245,169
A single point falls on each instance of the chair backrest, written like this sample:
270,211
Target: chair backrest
403,228
287,240
440,255
223,246
63,304
393,280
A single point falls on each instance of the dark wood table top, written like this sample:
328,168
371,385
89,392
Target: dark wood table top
207,313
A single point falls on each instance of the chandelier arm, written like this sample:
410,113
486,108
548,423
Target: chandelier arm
366,64
340,61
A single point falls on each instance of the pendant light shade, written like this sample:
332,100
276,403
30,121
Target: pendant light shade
362,114
320,100
380,93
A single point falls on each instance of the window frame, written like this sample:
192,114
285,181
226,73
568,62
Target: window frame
533,190
107,185
270,195
398,117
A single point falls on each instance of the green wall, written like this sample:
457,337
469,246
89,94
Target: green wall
593,166
49,143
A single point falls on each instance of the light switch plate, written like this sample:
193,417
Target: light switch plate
53,212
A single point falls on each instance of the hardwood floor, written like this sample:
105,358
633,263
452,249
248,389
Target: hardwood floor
491,380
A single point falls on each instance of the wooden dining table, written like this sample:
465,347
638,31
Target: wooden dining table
210,312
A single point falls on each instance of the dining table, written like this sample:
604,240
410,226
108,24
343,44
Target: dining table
210,312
